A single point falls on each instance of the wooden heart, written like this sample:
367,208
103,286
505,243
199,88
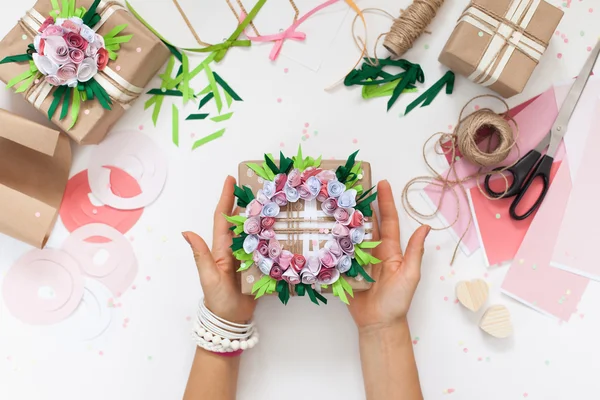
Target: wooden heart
496,322
472,294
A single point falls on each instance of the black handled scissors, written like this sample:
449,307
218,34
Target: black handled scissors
534,164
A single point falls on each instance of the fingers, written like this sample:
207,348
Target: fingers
376,269
221,232
390,225
202,255
415,251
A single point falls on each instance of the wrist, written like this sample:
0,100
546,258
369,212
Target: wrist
395,327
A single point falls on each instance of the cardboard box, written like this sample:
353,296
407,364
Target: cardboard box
133,67
498,43
247,177
34,170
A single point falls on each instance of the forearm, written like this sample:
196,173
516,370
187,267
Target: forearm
213,376
388,363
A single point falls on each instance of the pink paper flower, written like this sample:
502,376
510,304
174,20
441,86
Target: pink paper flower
346,245
340,230
42,47
343,215
276,272
76,56
274,249
52,30
293,178
87,70
329,206
280,180
251,243
280,199
323,195
76,41
56,49
267,234
304,192
67,72
263,248
327,259
254,208
267,222
291,277
252,226
325,176
308,172
102,59
357,220
49,21
298,262
308,278
54,80
328,276
313,265
334,247
70,26
285,259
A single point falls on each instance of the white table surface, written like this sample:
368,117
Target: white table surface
305,351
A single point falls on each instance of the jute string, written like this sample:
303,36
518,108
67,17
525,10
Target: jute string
410,25
465,137
189,25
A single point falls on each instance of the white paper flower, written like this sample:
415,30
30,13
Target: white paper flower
271,209
88,34
45,65
269,188
308,278
348,199
344,264
357,235
87,70
251,243
72,83
36,42
59,21
314,186
261,197
335,188
265,265
76,20
291,193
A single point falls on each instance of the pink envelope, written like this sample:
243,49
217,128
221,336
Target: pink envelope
530,278
576,248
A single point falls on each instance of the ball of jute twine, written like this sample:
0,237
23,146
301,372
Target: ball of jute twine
411,24
465,138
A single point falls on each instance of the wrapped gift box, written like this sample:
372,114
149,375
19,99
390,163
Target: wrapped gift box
293,239
34,169
498,43
138,61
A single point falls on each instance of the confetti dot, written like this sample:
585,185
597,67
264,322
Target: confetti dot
354,141
250,173
24,37
591,10
534,267
563,36
163,90
547,362
141,127
134,287
86,112
279,100
304,138
568,292
455,301
438,248
426,47
465,350
445,298
415,341
36,81
148,278
417,338
188,318
479,359
480,34
250,278
525,395
460,343
498,216
450,127
559,56
118,68
37,214
306,124
589,48
286,70
139,49
100,353
566,40
457,158
315,133
442,278
477,107
281,144
487,359
486,275
149,358
94,211
557,33
304,131
581,316
521,261
450,391
582,33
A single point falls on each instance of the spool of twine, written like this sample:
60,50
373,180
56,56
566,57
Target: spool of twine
410,25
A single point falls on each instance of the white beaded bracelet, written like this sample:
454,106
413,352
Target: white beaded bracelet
218,335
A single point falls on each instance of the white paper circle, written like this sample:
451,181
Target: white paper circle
135,153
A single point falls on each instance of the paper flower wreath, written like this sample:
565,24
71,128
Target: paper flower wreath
340,198
67,53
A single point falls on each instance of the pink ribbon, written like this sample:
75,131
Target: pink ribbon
289,33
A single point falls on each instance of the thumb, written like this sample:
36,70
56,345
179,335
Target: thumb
202,255
415,251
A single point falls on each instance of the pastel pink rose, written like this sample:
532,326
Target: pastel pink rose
53,30
328,276
325,176
274,249
327,259
285,259
42,47
67,72
76,41
357,220
54,80
267,234
340,230
252,226
276,272
263,248
313,265
308,172
294,178
254,208
267,222
342,215
323,195
280,180
70,26
334,247
291,277
280,199
49,21
56,49
329,206
346,245
76,56
298,262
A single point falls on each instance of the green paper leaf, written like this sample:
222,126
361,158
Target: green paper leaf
368,245
285,163
227,88
352,272
205,100
258,170
346,286
343,173
271,164
364,258
213,85
222,118
241,255
245,266
339,291
175,133
91,12
249,194
115,31
242,195
235,219
17,58
365,194
238,230
228,99
283,288
195,117
65,106
319,296
156,111
75,108
431,93
364,205
165,92
312,294
360,270
262,282
58,95
208,138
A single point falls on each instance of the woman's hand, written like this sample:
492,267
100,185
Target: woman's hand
396,278
218,277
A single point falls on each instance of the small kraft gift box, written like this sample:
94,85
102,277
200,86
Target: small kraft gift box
81,62
34,170
306,227
498,43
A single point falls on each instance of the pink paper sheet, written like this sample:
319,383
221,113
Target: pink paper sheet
576,249
499,234
530,279
534,123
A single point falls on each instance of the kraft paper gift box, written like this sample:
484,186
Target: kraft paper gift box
124,78
498,43
298,243
34,170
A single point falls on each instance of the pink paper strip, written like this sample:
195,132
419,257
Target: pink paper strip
534,123
530,279
577,245
77,210
500,235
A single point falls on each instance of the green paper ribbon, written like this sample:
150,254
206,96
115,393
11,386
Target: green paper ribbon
431,93
175,134
226,87
195,117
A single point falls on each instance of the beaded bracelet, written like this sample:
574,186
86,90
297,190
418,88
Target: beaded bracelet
218,335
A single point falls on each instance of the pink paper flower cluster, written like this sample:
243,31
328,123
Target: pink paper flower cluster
336,201
68,52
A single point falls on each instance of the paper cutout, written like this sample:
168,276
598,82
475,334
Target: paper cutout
77,210
500,235
121,267
43,287
128,149
576,248
534,123
530,278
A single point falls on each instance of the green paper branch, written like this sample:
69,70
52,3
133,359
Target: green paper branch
344,172
340,288
358,269
303,163
266,285
431,93
244,195
283,288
